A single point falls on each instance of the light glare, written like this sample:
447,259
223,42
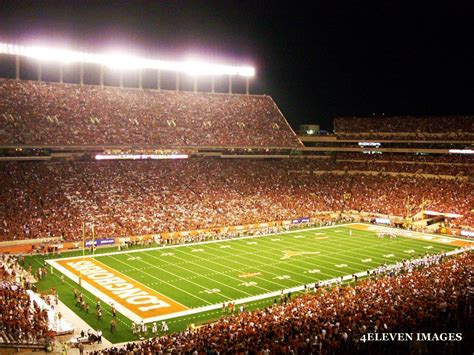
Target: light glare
124,61
461,151
140,156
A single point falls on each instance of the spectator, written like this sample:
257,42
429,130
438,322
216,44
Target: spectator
334,320
121,197
63,114
406,127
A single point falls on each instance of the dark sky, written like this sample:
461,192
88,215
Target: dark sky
317,61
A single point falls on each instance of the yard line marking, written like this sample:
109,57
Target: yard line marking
288,254
127,293
250,274
389,256
295,265
289,239
356,226
134,258
271,265
248,284
368,260
211,291
211,241
269,295
73,285
312,271
202,308
254,252
352,251
157,278
413,235
327,255
258,254
213,280
233,257
301,259
397,244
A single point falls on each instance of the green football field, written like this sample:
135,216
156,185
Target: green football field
206,274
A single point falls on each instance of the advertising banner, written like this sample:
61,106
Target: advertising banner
300,220
382,221
100,242
469,234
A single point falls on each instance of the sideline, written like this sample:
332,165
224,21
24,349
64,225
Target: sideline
129,314
204,242
80,324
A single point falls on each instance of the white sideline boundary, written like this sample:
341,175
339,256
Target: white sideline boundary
129,314
260,236
95,292
273,294
420,234
172,246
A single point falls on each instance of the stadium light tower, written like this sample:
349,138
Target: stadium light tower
123,62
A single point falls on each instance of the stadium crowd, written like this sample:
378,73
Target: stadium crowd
430,140
21,320
123,198
38,113
404,157
406,127
126,198
384,163
416,168
431,294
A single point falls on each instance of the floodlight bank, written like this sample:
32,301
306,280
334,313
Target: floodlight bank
123,61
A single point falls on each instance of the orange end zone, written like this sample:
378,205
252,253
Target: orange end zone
136,297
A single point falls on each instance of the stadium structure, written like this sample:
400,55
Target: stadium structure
189,220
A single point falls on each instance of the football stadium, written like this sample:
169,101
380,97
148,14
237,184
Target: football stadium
152,206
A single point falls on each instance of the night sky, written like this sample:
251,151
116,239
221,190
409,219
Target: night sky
330,58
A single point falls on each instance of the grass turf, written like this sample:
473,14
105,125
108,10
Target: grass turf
200,275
